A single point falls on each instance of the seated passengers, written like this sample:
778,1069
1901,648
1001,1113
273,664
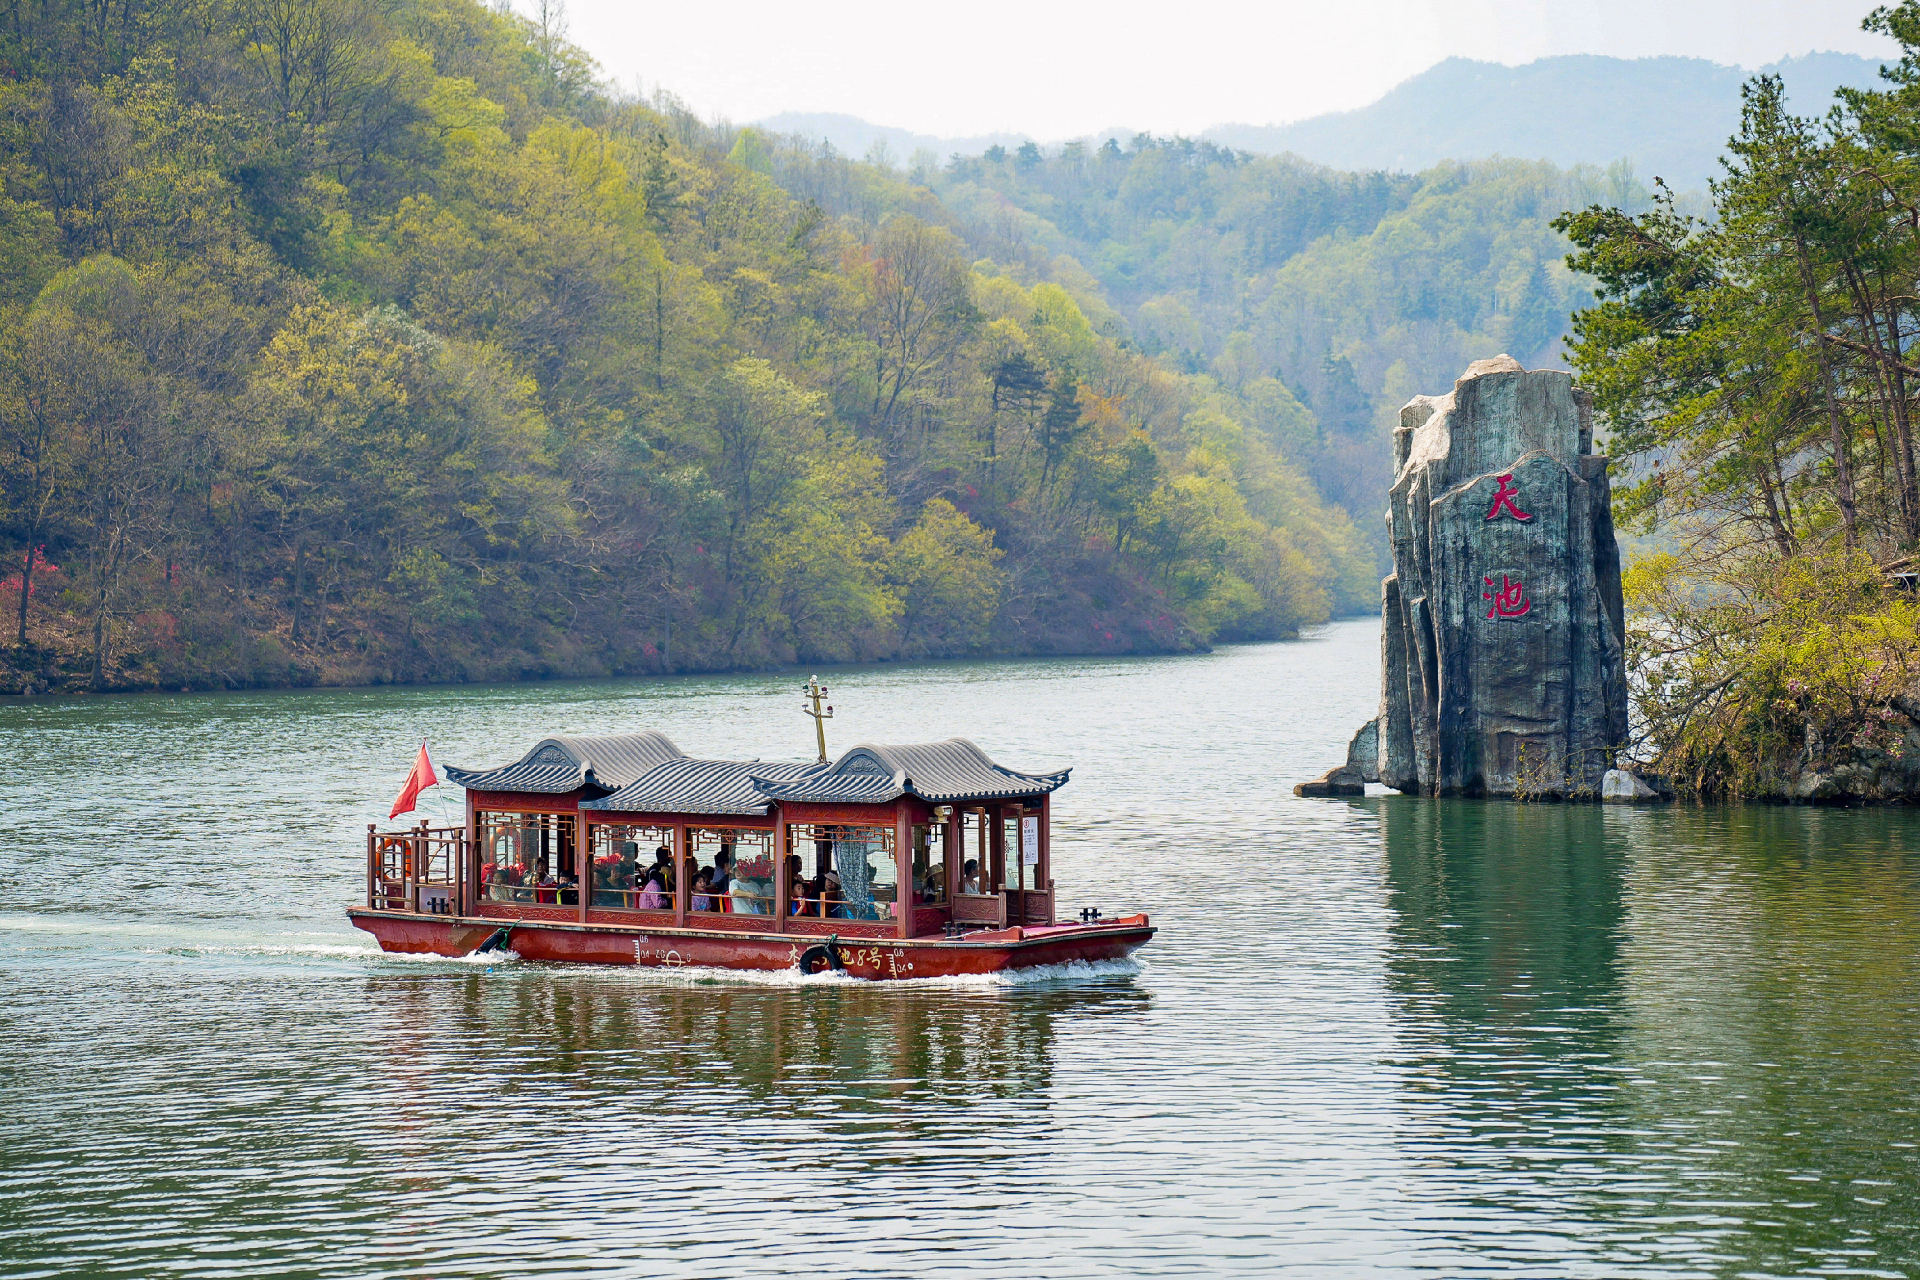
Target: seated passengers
662,866
970,876
653,893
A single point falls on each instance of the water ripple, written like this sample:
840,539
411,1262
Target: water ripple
1378,1037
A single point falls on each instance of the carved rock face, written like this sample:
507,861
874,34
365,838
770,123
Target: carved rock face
1502,664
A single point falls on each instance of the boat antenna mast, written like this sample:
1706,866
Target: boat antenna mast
816,693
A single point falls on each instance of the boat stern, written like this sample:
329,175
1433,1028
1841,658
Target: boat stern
421,935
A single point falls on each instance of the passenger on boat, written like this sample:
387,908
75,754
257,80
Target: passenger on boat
970,876
750,896
702,883
796,891
832,904
610,875
653,893
723,868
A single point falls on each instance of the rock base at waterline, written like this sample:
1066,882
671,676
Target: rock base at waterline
1618,786
1334,782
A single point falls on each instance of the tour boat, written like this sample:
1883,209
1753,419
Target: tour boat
913,861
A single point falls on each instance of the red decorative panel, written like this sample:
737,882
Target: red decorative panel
1039,906
845,928
729,922
928,920
990,909
524,801
638,919
871,815
648,818
521,911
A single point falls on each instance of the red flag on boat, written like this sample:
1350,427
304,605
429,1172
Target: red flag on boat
419,778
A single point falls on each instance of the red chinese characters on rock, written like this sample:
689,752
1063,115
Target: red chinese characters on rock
1509,598
1503,502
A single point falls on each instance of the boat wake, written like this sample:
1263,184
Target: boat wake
1071,973
337,951
369,956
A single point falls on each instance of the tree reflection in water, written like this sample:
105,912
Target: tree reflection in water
713,1079
1668,1035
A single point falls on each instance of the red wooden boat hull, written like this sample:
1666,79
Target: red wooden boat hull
995,951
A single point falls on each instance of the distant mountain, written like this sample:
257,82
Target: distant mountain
1670,116
852,136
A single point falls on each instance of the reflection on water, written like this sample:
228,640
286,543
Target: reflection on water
1689,1030
1390,1036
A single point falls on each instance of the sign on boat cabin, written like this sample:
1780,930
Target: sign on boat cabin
586,845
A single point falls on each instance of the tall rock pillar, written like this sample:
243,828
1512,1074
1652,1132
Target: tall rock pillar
1502,658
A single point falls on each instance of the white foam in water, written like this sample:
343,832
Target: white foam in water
1073,971
346,951
171,940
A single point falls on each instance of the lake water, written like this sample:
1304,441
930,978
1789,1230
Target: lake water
1377,1037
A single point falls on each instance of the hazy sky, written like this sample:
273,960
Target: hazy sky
1056,69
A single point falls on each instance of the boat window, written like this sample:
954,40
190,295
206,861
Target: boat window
624,855
749,888
1023,867
527,857
976,846
930,865
848,871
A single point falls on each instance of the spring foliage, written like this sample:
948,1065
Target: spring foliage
1753,370
344,341
1323,300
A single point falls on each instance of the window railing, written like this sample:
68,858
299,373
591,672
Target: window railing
636,899
546,893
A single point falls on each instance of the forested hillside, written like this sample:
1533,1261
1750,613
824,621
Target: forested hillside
344,341
1325,299
1755,369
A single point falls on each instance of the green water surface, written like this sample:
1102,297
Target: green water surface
1378,1037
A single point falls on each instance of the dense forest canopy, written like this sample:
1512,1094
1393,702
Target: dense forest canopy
1346,294
1756,369
354,341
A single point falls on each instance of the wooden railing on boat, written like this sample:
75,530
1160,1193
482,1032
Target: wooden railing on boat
636,899
416,870
1009,906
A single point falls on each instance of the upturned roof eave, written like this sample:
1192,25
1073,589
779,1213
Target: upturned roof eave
600,805
1043,785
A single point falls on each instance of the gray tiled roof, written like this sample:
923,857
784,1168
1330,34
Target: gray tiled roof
567,763
947,772
687,785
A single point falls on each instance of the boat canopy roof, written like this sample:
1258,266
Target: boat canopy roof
948,772
562,764
688,785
